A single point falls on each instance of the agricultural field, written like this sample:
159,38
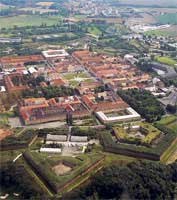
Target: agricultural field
166,60
27,20
167,18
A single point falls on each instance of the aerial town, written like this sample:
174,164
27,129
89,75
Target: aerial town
88,99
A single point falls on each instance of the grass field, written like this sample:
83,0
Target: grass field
171,31
169,152
94,30
173,125
170,122
166,60
70,76
167,120
27,20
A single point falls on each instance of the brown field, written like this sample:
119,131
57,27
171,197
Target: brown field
61,169
146,19
5,132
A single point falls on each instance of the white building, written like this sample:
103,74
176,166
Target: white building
132,115
79,139
55,53
50,150
55,138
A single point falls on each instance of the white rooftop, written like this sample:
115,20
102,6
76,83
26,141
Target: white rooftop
132,115
55,53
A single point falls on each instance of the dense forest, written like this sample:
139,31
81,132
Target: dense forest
144,103
142,180
15,178
48,92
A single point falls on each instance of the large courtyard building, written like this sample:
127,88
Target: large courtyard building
40,110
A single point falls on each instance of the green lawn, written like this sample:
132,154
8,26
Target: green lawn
167,120
70,76
75,78
27,20
166,60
